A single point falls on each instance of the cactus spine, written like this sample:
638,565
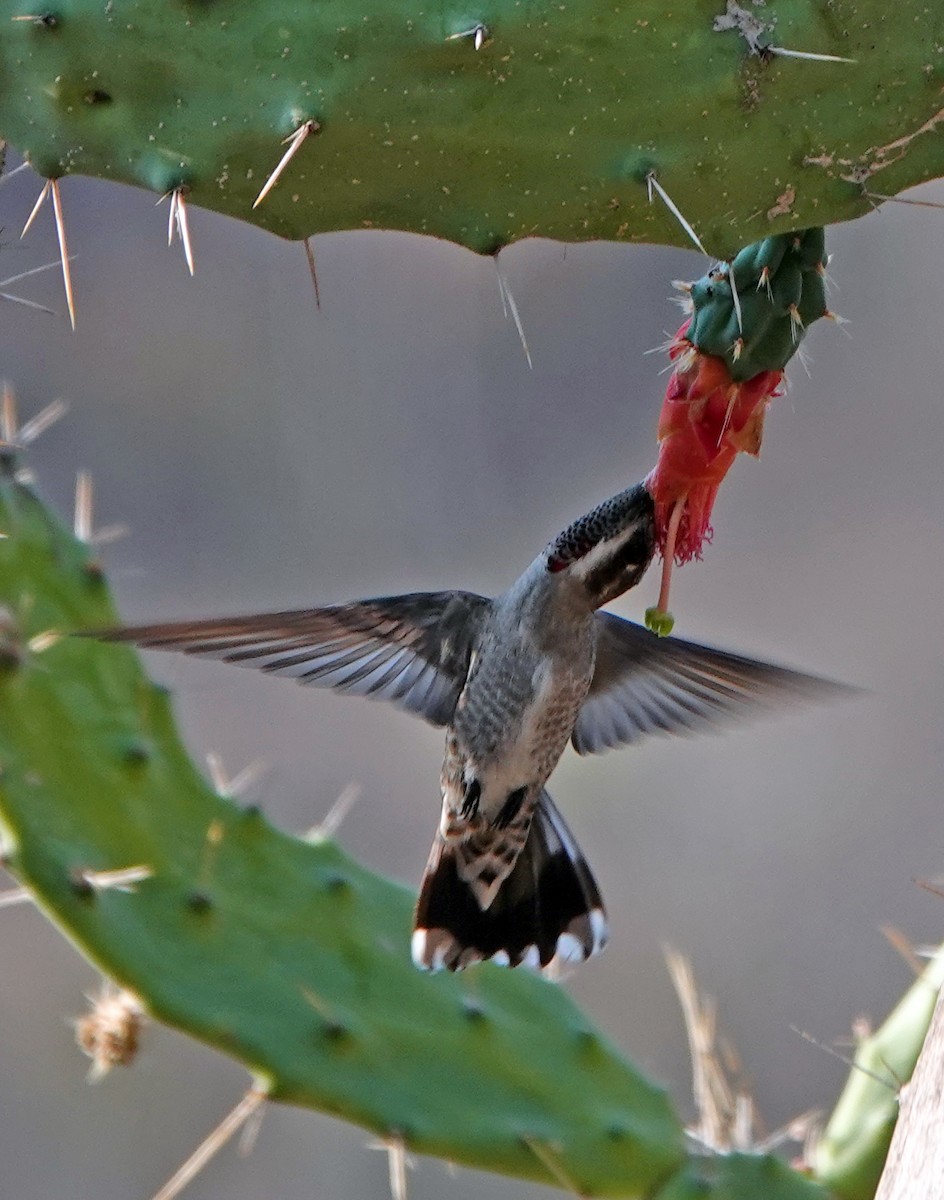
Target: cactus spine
485,124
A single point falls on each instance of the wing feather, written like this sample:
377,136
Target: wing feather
412,650
644,684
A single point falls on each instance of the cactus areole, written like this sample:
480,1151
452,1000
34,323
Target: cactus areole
488,121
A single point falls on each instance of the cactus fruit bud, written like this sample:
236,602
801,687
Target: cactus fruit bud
746,320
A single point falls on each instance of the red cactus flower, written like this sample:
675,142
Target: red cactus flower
707,418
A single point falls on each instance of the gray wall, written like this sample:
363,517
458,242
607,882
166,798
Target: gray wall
265,454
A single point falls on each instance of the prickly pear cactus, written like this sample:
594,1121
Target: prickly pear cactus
490,121
850,1155
288,956
281,952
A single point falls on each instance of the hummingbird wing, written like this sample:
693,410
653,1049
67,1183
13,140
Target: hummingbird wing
645,684
413,650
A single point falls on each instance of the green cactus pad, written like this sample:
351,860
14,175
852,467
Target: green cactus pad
780,289
288,956
283,953
486,122
741,1177
851,1154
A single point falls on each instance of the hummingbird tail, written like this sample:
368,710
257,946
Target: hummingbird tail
547,910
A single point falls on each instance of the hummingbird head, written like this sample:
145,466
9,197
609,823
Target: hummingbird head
609,549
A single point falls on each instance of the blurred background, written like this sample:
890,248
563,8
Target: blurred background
267,455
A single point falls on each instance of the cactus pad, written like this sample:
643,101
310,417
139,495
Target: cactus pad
281,952
851,1153
741,1177
288,956
485,123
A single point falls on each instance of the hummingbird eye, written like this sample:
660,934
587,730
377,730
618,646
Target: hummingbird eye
565,552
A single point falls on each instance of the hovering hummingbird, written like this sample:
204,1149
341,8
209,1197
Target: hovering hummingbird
511,679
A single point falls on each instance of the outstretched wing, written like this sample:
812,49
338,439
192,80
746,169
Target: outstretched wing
413,650
644,684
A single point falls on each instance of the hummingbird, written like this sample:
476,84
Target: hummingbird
512,680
